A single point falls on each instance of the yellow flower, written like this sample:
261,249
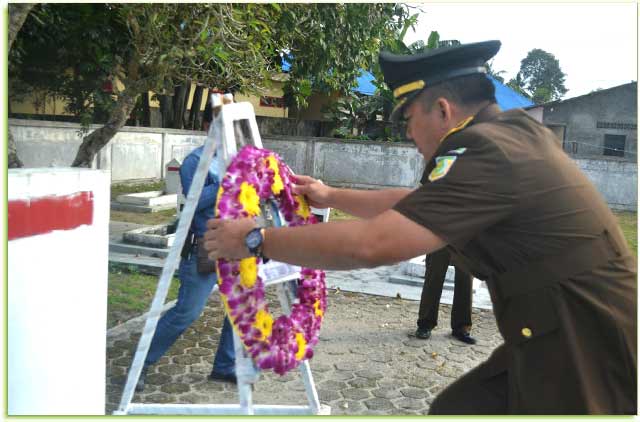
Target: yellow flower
226,307
277,186
218,274
316,307
220,192
249,199
302,346
303,209
264,322
248,272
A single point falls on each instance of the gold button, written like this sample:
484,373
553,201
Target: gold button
526,332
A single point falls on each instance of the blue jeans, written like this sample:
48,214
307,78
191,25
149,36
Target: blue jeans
195,289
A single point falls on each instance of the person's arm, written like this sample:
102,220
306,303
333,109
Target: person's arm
209,192
386,239
360,203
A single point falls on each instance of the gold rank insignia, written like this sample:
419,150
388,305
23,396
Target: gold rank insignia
443,165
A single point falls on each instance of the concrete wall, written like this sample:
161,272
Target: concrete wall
580,116
363,164
138,153
58,231
617,181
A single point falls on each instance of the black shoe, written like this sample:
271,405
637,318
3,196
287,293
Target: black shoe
463,336
423,333
142,379
214,376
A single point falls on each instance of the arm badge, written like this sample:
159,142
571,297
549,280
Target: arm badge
443,165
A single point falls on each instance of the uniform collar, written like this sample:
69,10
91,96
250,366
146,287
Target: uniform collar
486,113
461,125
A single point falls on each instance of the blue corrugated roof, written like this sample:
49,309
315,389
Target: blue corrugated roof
286,66
508,98
365,85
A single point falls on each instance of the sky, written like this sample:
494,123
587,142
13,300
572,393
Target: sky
595,43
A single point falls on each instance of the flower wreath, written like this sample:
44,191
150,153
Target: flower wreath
254,175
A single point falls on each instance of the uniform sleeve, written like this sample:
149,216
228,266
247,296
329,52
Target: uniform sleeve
470,189
209,191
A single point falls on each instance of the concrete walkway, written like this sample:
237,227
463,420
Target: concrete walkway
366,363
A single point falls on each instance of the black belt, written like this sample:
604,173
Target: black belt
586,256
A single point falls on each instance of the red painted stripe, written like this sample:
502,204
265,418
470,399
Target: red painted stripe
173,168
31,217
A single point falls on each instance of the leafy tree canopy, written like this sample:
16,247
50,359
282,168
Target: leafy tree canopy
69,51
158,46
331,43
541,77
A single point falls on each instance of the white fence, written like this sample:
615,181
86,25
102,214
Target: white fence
142,153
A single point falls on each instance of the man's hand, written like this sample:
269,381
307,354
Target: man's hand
317,193
225,238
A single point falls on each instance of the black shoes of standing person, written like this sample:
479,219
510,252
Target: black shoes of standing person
423,333
463,336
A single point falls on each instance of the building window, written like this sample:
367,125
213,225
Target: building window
570,147
616,125
614,145
266,101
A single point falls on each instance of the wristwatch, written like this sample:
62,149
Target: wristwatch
254,240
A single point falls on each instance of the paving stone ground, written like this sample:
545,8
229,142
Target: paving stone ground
366,362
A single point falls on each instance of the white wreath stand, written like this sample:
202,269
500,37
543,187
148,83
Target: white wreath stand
280,275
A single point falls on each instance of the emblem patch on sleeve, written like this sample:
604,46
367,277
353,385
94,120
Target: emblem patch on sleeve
443,165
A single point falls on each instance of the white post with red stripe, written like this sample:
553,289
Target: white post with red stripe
172,182
58,230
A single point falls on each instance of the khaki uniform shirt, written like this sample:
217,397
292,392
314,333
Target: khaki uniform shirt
518,213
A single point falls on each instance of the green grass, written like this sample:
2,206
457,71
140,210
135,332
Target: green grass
125,188
336,215
629,225
131,293
150,218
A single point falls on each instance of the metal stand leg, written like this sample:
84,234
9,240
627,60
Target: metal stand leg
246,372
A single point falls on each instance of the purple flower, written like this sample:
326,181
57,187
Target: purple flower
278,351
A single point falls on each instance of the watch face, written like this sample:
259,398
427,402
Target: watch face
254,238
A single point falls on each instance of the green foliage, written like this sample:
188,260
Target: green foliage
69,51
518,85
352,113
158,46
541,77
331,43
496,74
219,45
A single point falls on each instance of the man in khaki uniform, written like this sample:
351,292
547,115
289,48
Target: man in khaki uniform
513,210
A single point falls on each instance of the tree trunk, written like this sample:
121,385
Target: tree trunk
17,14
194,113
97,139
179,94
166,110
146,110
13,161
185,123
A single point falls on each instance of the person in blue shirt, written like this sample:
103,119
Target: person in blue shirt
195,287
